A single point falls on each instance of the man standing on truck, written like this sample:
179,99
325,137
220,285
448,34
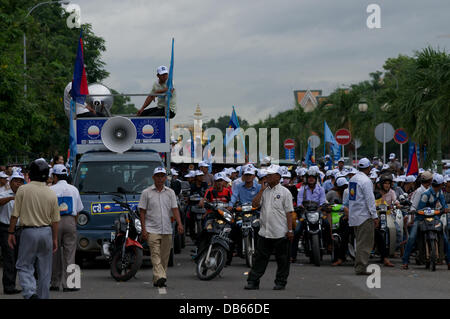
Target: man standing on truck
159,87
157,205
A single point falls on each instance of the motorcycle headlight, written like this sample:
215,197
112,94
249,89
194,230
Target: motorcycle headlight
382,217
83,219
228,217
246,208
138,225
428,211
312,217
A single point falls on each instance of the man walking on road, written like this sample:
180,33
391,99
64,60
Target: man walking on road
276,229
69,206
156,206
362,215
37,207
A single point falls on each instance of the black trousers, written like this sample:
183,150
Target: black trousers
9,259
264,248
344,231
157,111
90,114
381,245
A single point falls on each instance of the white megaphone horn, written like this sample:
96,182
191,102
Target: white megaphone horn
118,134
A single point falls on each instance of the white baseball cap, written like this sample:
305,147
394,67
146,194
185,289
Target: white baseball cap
274,169
3,175
203,164
174,172
190,174
392,156
438,179
199,173
364,163
162,70
410,179
341,160
341,181
221,175
59,169
286,174
159,169
385,166
249,170
262,173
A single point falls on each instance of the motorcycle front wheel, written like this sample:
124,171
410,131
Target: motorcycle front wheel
123,268
315,250
249,253
208,269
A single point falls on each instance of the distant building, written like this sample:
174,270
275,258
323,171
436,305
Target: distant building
308,99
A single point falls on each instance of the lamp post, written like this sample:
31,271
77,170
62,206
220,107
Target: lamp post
25,38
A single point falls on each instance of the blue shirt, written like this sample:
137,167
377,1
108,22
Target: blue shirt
327,185
317,195
244,194
430,199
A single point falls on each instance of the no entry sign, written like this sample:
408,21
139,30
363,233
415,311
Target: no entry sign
289,144
400,136
343,136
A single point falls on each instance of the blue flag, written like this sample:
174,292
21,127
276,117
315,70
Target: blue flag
234,124
309,154
329,138
72,137
170,84
79,81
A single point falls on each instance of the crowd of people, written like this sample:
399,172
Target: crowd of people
38,214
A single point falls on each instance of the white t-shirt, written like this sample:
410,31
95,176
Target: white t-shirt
69,199
80,108
7,209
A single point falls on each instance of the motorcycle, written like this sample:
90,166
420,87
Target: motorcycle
312,241
247,219
124,252
430,232
387,225
213,250
196,215
337,212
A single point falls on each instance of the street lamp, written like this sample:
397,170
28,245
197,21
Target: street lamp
25,38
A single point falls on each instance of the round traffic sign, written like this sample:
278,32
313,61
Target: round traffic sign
289,143
314,141
343,136
384,132
400,136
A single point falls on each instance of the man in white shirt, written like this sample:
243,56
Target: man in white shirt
157,205
70,205
9,255
3,182
276,229
362,215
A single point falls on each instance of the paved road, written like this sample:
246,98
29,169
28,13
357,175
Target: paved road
305,281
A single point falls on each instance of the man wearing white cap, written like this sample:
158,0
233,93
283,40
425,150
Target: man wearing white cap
3,182
158,203
175,184
429,198
70,205
209,178
362,215
9,254
276,231
159,87
394,165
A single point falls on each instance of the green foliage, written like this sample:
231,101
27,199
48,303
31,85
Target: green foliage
36,125
122,104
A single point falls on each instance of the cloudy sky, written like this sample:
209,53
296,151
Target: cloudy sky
253,54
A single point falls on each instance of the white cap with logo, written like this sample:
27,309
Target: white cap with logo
364,163
392,156
162,70
159,170
59,169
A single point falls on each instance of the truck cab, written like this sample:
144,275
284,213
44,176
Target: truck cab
98,176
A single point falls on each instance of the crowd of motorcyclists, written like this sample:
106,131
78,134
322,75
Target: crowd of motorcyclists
323,189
